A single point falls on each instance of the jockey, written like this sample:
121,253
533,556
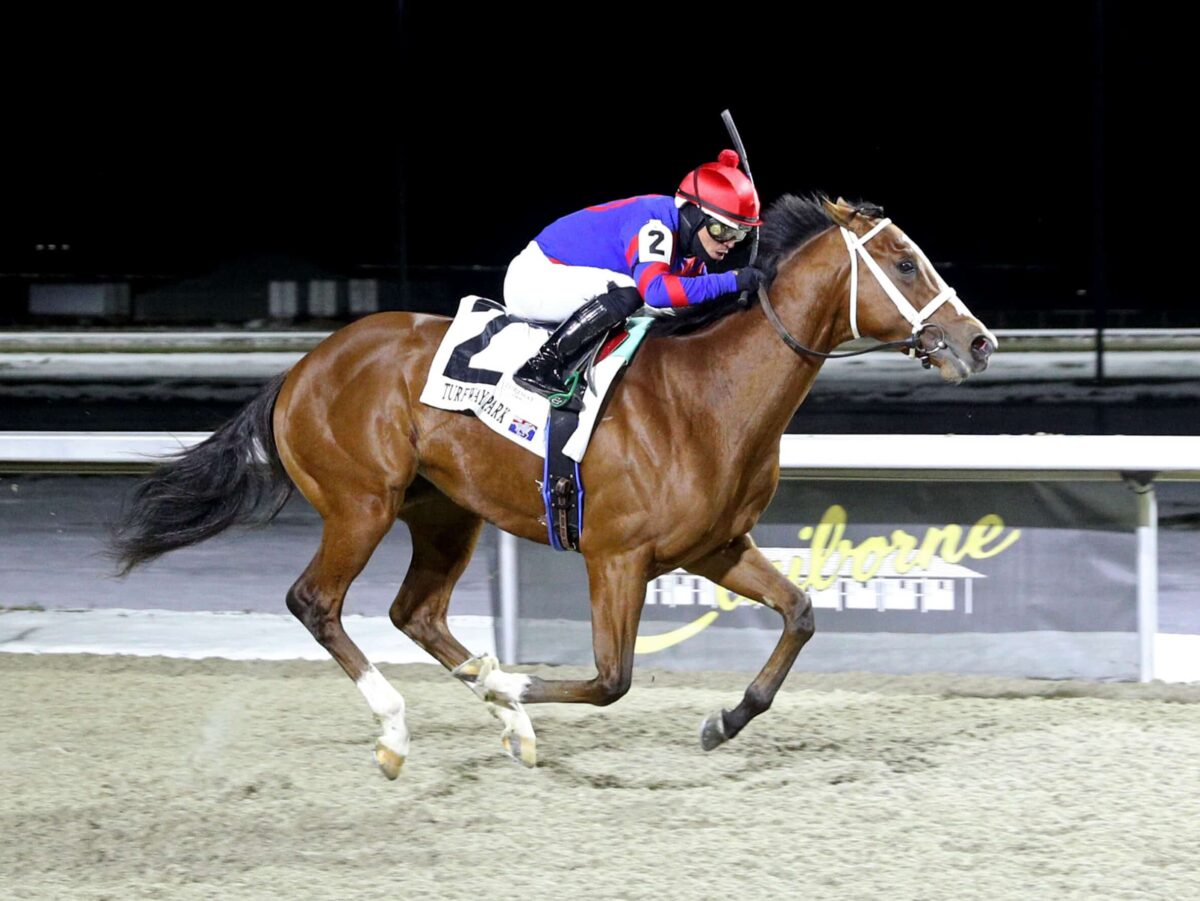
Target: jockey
591,269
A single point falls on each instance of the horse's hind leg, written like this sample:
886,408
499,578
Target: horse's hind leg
443,538
347,541
741,567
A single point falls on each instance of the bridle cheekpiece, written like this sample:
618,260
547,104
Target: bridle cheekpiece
916,318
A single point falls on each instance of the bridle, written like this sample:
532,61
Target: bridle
916,318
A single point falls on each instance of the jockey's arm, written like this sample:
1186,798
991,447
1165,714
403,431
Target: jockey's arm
651,259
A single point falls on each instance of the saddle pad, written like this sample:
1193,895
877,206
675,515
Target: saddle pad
472,370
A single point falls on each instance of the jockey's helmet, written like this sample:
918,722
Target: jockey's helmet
722,190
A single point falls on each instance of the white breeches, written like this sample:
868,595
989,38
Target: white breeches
535,288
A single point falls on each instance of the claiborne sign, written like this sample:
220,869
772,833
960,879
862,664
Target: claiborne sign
906,552
899,570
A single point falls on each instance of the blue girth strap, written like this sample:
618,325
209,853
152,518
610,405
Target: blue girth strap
562,483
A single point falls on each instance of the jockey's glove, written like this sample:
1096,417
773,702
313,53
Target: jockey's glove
749,278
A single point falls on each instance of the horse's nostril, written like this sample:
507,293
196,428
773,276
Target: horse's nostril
982,348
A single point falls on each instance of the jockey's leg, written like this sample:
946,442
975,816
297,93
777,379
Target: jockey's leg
742,568
545,373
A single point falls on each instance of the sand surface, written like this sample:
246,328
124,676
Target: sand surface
154,778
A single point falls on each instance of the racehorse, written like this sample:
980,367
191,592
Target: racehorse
684,463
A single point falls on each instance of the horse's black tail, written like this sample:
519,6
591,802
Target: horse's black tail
233,477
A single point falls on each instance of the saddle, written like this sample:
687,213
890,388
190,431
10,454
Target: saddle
472,372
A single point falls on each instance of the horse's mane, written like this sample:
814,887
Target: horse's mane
789,222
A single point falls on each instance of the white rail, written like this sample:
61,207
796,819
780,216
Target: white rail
953,457
90,451
1002,457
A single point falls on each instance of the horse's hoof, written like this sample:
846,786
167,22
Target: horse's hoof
712,731
521,749
389,760
475,668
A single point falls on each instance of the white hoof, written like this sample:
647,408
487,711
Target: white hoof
475,669
518,739
390,760
388,706
521,749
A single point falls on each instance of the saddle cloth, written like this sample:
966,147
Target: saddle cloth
472,370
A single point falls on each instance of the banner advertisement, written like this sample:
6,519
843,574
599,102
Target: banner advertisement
1005,578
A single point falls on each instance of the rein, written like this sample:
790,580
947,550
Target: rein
910,342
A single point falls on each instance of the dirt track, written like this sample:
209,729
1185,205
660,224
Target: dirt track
154,778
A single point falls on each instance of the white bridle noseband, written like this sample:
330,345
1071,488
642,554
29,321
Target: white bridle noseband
916,318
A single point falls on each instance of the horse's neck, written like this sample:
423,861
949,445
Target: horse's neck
768,379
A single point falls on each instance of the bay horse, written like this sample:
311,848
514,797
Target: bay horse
679,471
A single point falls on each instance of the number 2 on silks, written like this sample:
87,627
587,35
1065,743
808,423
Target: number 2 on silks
655,243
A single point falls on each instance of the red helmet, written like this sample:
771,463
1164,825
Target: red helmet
722,190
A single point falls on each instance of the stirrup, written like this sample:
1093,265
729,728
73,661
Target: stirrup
562,398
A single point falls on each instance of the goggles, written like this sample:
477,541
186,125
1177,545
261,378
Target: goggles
721,232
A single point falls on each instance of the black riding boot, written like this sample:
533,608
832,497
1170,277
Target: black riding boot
543,374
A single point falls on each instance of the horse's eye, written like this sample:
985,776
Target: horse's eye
907,266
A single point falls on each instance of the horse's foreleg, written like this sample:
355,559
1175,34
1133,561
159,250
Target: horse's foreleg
742,568
316,600
618,591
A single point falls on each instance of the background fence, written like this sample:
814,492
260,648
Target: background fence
908,542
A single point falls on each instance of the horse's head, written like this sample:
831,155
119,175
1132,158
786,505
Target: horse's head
895,294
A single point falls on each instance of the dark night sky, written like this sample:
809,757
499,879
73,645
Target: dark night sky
179,138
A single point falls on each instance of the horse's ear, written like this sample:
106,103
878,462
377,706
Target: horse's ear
841,212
